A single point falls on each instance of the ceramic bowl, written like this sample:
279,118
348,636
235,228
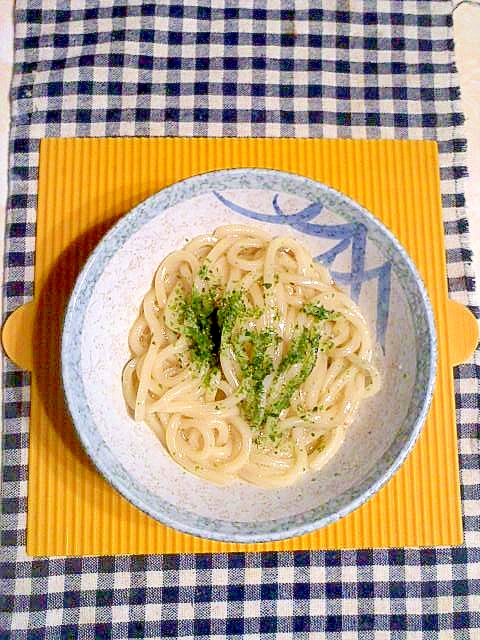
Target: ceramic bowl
363,257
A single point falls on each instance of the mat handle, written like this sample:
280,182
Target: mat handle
17,336
462,332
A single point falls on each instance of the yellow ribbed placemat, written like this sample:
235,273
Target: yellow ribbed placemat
85,185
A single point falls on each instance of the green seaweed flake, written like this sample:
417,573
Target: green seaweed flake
319,312
212,320
230,309
206,319
196,318
204,272
254,352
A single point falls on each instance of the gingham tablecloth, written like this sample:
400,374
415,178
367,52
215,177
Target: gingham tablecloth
367,69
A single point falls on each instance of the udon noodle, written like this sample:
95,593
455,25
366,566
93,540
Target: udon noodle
248,362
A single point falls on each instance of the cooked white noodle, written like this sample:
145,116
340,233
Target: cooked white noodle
247,361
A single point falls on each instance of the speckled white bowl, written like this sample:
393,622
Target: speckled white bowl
364,258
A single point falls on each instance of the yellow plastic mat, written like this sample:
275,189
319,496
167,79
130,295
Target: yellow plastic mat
85,185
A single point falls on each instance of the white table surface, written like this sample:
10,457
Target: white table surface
467,42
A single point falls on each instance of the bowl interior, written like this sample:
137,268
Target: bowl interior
363,258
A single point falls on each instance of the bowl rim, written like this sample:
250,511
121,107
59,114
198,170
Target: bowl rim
77,402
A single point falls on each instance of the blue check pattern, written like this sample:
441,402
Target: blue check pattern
367,69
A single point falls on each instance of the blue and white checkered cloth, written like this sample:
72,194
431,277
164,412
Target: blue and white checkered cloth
361,69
